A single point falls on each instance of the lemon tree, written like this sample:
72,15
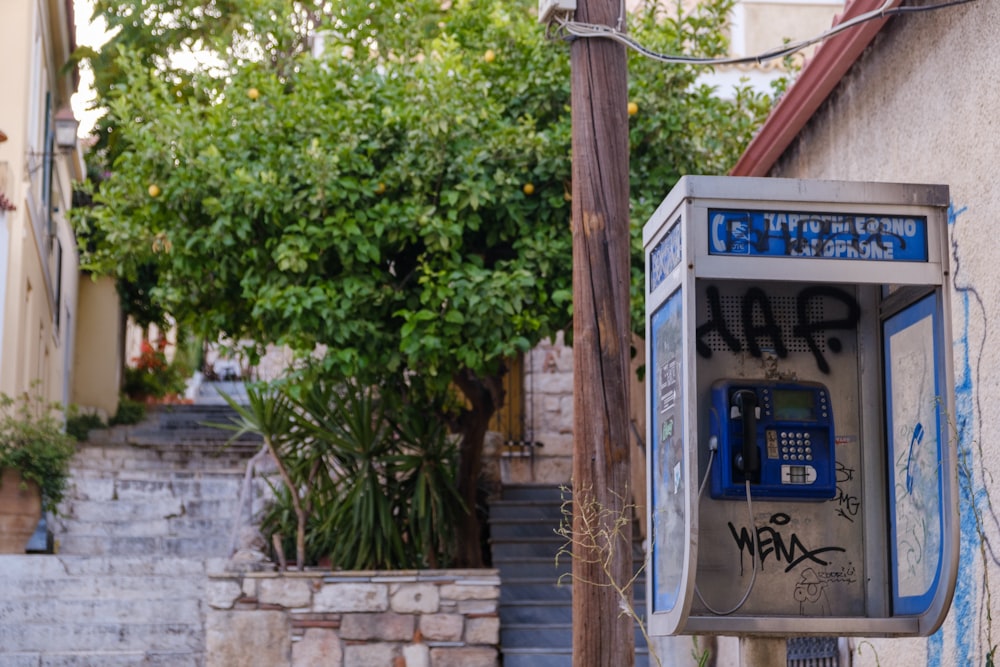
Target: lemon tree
399,200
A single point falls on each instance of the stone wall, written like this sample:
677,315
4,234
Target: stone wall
425,618
548,419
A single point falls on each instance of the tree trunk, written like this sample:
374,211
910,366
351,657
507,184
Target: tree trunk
602,526
485,396
300,511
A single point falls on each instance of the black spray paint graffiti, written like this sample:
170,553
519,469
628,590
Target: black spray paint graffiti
771,541
757,307
806,235
811,589
848,504
810,593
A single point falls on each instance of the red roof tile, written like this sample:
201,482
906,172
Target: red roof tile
815,82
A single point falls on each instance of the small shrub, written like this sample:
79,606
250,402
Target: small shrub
80,424
129,412
152,376
368,482
33,442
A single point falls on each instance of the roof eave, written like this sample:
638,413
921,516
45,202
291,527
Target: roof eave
818,78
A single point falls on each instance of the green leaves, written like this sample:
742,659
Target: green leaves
374,200
372,476
402,200
33,442
402,148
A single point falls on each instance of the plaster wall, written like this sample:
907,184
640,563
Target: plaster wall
38,313
920,106
97,366
761,25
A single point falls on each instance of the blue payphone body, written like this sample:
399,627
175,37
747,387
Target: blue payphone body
778,435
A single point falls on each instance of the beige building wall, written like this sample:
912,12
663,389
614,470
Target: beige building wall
761,25
97,368
38,257
921,106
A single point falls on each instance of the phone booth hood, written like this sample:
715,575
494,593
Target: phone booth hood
798,338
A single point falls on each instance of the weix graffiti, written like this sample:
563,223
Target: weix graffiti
772,541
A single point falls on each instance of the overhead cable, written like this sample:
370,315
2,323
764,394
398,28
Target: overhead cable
588,30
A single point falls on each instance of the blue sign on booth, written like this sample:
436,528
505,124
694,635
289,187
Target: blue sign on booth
887,238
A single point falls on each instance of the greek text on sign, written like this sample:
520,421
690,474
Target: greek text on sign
665,257
827,236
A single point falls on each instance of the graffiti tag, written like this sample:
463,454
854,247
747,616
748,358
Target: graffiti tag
771,542
758,321
848,504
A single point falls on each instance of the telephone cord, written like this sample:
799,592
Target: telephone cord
753,545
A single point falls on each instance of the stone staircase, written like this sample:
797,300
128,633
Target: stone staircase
101,611
146,508
168,486
536,623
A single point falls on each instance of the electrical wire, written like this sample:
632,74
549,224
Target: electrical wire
753,545
587,30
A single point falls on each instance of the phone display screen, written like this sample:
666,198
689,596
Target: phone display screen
794,405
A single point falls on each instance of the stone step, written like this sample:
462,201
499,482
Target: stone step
532,492
502,529
553,657
153,488
549,635
170,610
537,547
549,610
517,590
172,456
178,547
553,568
527,509
104,659
508,551
85,510
57,610
102,588
175,526
183,435
123,568
536,611
61,635
545,588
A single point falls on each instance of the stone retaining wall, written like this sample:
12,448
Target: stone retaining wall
425,618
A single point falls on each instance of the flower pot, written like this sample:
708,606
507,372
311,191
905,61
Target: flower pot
20,511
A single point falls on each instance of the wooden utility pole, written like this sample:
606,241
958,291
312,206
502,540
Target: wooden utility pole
602,549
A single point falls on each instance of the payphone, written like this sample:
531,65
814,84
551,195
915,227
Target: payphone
800,475
776,435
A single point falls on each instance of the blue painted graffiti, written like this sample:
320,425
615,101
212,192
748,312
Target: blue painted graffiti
965,606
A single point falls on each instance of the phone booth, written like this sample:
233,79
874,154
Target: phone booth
801,472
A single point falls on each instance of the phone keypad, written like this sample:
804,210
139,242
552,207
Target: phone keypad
795,445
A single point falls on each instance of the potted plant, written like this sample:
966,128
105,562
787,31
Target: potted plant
35,452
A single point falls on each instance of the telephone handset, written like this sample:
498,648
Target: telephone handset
778,435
